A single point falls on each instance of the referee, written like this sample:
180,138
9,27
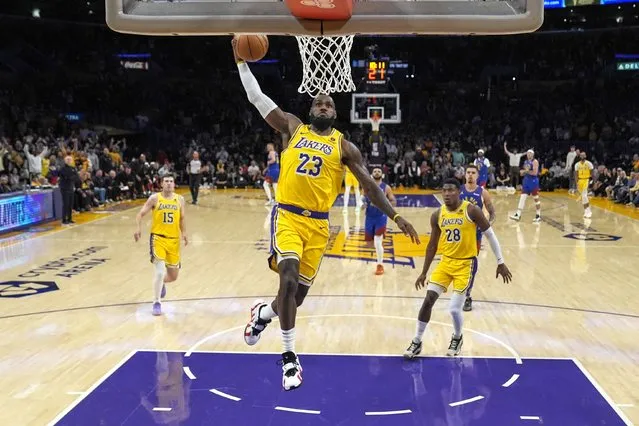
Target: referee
195,177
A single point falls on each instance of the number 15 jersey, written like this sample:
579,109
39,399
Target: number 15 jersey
458,239
165,220
311,170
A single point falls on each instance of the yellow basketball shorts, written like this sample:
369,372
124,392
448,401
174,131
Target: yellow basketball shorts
294,236
582,185
165,249
350,180
460,272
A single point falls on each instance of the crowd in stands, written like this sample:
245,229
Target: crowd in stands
541,92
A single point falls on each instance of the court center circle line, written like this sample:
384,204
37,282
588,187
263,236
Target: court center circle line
518,359
512,351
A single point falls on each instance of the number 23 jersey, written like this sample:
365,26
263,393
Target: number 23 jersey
458,239
311,170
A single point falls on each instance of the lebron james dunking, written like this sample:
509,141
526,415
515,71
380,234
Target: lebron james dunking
312,167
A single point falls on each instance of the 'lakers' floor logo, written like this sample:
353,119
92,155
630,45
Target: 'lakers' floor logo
398,249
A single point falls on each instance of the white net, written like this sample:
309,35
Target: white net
375,122
326,64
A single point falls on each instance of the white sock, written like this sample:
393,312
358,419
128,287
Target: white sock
347,194
537,205
358,196
267,312
379,248
421,327
522,203
275,190
158,279
288,340
455,309
267,189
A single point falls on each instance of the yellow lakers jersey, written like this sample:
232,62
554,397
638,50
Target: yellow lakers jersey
458,239
583,169
166,217
311,170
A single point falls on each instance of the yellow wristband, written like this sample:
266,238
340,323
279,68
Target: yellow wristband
395,217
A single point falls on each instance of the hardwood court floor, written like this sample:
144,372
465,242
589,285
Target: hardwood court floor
575,294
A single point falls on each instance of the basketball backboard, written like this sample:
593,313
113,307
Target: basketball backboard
385,105
373,17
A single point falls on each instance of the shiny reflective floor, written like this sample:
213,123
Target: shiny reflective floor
556,346
238,389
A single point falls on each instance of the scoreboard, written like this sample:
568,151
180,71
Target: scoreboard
376,72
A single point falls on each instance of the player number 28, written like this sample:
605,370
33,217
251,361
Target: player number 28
453,235
168,217
316,163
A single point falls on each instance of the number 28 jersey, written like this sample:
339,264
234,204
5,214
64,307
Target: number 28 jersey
311,170
165,220
458,239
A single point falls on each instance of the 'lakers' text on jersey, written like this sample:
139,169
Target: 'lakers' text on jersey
458,239
584,169
311,170
166,217
458,246
165,231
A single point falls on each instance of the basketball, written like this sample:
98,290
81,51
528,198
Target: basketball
252,47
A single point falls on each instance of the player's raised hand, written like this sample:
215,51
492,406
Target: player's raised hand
419,283
234,46
504,272
408,229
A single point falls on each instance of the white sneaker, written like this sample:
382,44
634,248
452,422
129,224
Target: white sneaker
255,326
537,219
455,346
515,216
291,371
588,214
414,349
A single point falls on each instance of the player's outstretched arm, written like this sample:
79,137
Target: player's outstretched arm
477,216
352,157
506,149
274,116
431,248
147,207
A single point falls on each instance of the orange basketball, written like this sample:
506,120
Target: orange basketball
252,47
